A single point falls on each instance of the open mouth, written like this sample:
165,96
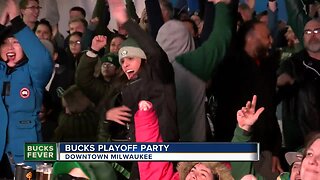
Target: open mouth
11,56
130,73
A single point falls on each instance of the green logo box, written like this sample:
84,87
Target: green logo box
40,151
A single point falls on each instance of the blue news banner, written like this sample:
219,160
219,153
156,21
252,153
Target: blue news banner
158,151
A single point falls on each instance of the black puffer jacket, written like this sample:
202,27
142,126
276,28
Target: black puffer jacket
155,84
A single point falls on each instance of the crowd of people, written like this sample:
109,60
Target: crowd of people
173,75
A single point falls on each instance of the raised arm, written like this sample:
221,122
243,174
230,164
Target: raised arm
205,59
297,17
273,18
246,117
131,10
156,57
147,130
40,62
93,87
155,21
251,4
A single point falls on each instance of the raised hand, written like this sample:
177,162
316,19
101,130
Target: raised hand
144,105
248,115
98,42
118,11
119,114
13,9
276,165
4,16
94,21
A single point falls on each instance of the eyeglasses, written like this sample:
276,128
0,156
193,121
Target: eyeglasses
74,43
107,65
309,31
34,7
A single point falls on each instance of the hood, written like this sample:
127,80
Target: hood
175,39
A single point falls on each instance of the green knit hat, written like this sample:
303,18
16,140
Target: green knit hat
111,58
130,48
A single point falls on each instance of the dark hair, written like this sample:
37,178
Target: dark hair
263,13
117,35
182,14
82,20
244,30
23,3
310,139
43,22
6,33
194,26
80,9
168,6
244,6
74,34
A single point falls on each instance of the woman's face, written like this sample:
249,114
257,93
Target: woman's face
310,167
43,32
115,45
201,172
75,44
11,51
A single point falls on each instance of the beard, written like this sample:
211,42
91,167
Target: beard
313,45
262,52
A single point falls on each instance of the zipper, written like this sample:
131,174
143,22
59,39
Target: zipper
309,67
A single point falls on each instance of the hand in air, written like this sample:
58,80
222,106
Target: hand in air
98,42
248,115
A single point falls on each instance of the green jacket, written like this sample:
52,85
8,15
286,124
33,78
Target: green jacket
94,170
202,61
297,17
94,88
103,94
240,169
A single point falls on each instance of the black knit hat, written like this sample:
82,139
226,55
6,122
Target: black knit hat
5,32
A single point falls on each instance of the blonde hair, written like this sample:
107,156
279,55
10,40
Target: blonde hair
217,168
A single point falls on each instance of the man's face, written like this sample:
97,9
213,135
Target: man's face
75,14
201,172
108,70
43,32
31,12
295,171
131,66
11,51
77,27
261,40
311,36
